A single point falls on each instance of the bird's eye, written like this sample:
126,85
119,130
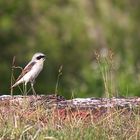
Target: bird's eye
39,57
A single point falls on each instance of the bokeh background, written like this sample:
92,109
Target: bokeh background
69,32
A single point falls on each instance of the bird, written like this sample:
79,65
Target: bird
31,71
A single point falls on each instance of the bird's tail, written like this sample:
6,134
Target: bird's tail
14,85
17,83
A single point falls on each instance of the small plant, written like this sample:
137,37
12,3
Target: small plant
105,63
12,75
24,91
58,78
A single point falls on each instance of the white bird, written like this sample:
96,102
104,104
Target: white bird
31,71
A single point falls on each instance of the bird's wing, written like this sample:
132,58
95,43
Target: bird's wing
26,70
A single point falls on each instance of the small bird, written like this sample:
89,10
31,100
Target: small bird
31,71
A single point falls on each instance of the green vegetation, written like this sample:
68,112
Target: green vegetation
92,48
69,32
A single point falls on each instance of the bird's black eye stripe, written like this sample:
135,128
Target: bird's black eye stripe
39,57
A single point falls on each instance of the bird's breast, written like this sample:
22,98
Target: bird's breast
37,68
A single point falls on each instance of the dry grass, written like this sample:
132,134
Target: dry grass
38,123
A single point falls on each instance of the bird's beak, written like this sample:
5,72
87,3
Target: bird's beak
44,57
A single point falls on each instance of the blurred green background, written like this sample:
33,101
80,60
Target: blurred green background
69,32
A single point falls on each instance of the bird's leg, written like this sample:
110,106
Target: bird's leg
25,89
33,90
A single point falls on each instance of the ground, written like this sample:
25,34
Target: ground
54,117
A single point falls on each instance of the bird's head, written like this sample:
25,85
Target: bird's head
38,57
